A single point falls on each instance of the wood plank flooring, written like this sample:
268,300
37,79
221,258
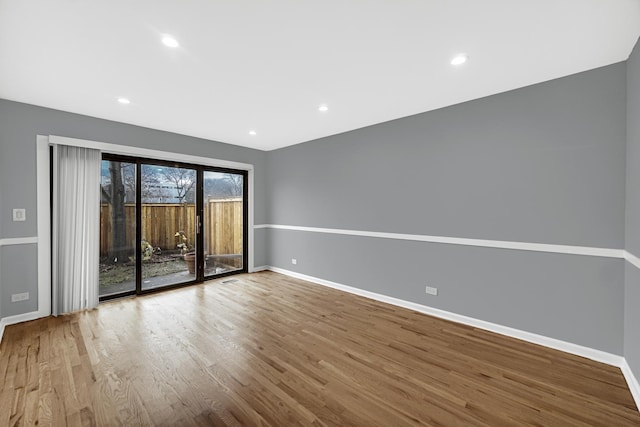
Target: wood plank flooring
271,350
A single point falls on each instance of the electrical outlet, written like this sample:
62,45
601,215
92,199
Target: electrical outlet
431,291
294,261
20,297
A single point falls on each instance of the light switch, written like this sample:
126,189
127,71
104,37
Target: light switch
19,215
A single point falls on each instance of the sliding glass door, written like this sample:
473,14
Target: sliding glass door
223,231
117,228
166,224
168,221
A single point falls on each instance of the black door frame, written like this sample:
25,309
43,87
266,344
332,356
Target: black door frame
200,260
245,220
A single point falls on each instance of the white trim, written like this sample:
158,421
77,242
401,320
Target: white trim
54,231
18,318
632,382
44,225
590,353
632,259
500,244
146,152
250,208
18,241
260,268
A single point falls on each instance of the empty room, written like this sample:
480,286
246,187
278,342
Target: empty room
355,213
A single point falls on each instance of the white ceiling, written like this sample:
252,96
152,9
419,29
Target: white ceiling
266,65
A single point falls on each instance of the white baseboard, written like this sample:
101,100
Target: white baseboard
19,318
590,353
632,382
260,268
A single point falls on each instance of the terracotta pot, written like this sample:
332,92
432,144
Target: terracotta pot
190,260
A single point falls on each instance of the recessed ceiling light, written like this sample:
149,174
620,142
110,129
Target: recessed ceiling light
124,101
170,41
253,132
323,108
460,59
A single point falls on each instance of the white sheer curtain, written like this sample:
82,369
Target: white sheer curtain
76,228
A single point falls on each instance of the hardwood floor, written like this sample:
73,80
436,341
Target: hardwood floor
271,350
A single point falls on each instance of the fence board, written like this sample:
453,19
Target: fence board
222,222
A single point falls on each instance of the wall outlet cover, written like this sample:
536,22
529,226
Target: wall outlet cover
20,297
19,214
431,291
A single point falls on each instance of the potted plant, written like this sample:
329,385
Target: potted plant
147,250
187,251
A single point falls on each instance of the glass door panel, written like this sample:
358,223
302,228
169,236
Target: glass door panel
117,228
164,224
223,222
168,225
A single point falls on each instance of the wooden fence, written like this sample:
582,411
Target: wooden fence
222,225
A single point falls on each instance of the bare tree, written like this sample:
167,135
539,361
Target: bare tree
116,197
151,186
182,179
129,180
235,183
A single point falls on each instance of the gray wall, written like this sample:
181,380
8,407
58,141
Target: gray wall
545,163
19,125
18,273
632,236
261,247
